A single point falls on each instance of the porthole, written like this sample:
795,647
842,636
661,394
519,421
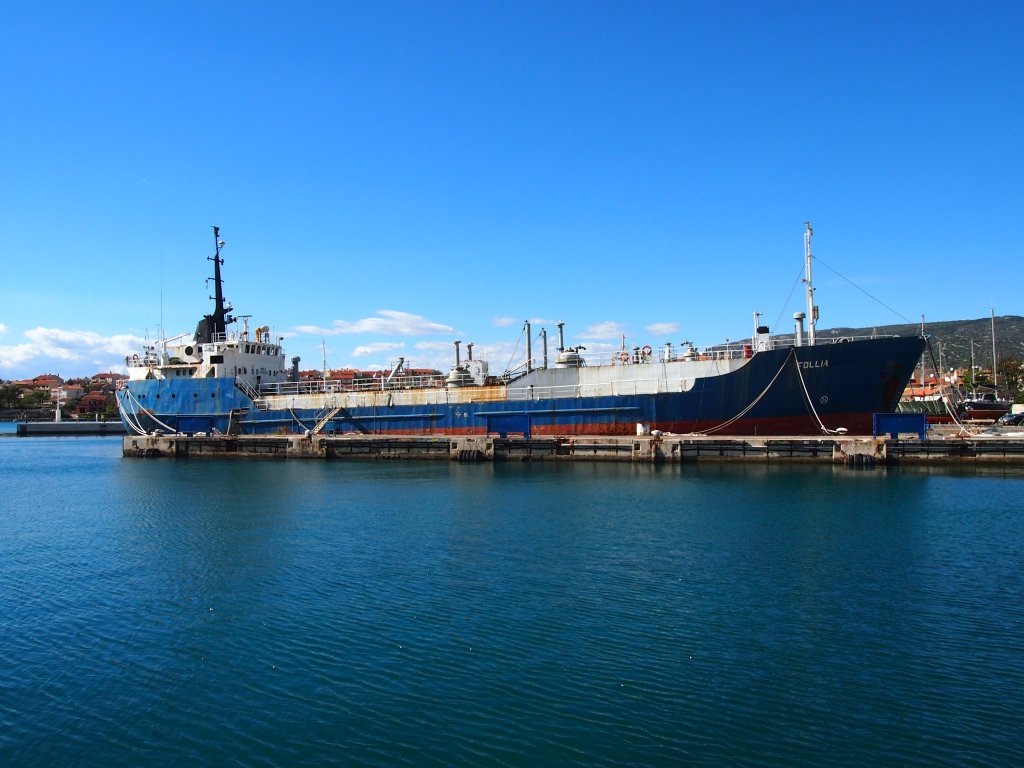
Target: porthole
195,394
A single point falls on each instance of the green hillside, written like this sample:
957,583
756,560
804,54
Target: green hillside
954,337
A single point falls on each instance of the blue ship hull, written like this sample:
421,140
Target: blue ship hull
793,391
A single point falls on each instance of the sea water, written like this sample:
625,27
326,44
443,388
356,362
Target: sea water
289,613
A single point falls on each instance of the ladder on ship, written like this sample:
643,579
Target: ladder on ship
325,420
250,391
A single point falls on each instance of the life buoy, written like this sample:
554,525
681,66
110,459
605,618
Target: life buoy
647,349
623,356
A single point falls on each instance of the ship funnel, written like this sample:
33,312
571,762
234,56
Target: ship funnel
457,360
469,351
544,339
561,338
798,320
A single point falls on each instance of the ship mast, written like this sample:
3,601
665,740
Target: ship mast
812,310
218,318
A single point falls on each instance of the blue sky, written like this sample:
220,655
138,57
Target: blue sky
391,176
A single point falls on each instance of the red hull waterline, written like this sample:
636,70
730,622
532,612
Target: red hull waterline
853,423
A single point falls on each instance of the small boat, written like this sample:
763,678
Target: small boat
940,402
984,406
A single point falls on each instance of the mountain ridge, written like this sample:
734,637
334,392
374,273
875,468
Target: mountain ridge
953,338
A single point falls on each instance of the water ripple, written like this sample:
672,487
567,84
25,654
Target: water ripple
283,614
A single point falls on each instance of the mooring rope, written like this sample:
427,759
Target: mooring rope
807,395
149,414
756,400
127,415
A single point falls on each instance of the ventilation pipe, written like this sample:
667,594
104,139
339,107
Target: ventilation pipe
469,351
798,318
544,339
457,353
294,376
561,337
529,349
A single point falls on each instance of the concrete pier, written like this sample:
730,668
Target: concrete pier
68,428
851,451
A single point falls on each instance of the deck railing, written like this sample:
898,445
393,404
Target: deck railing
375,384
733,350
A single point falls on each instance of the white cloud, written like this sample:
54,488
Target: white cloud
504,322
388,321
663,329
434,346
10,356
56,344
3,329
78,345
606,330
364,350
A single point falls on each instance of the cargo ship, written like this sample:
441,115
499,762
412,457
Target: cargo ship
237,382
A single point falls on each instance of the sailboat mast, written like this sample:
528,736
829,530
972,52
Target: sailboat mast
974,384
922,357
995,370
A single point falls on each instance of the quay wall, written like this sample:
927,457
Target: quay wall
851,451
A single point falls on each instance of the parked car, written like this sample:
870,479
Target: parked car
1011,419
